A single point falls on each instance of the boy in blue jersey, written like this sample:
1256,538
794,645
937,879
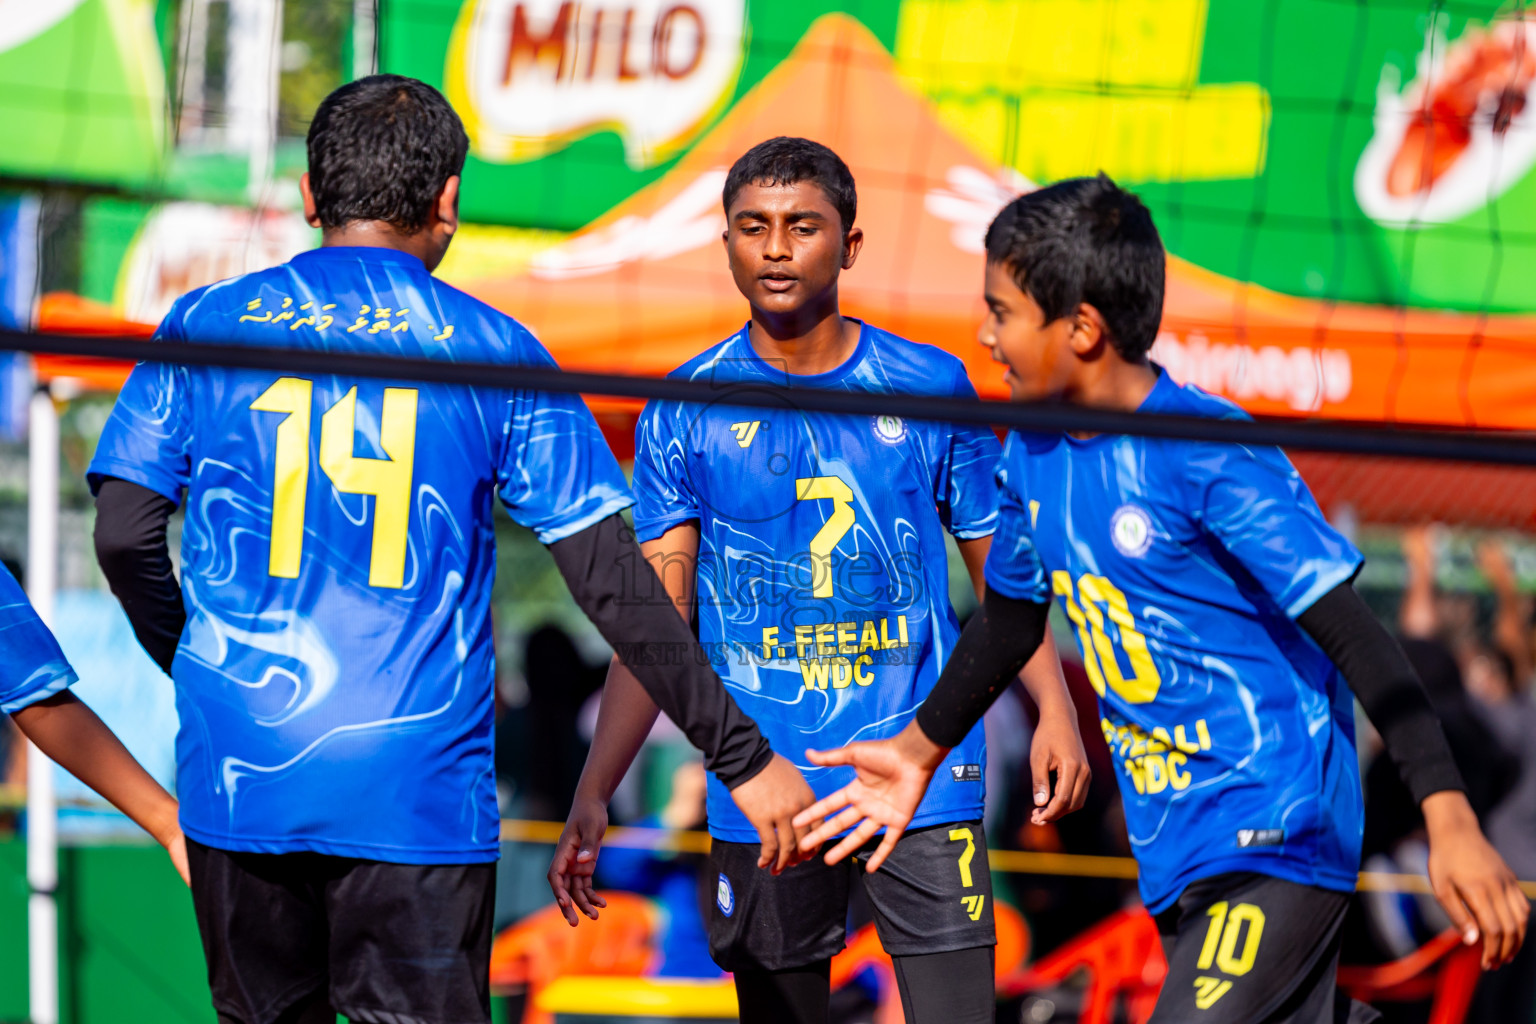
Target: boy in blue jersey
330,636
35,679
810,548
1214,609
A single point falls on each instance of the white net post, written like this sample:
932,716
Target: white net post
42,810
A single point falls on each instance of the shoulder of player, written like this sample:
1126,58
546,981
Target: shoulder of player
486,325
701,367
914,367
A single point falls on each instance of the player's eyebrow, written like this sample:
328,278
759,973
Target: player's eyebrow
794,216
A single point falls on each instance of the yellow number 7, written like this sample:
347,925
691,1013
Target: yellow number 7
387,480
837,524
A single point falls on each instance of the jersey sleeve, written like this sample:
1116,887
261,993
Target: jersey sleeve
967,497
32,667
557,475
663,496
148,438
1257,507
1014,568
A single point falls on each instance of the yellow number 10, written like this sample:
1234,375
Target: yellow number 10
1099,658
387,480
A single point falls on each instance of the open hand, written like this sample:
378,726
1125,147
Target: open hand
575,860
892,776
771,801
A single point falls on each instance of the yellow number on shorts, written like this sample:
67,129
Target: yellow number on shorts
1222,936
811,488
957,835
387,480
1099,598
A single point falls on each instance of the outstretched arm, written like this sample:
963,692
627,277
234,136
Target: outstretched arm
768,789
1471,881
894,774
624,719
70,733
1056,748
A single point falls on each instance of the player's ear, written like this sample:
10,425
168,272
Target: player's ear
448,205
853,241
311,212
1088,331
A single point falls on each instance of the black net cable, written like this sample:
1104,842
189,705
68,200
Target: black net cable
1511,448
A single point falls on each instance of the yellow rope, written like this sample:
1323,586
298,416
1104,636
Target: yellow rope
1023,862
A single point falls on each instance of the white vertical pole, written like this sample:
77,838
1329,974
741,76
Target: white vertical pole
42,811
365,38
251,82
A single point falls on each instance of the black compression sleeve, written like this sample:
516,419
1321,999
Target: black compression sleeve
659,648
994,645
134,557
1381,677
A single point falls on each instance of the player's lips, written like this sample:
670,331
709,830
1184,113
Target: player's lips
778,282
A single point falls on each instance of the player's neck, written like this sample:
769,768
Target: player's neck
378,234
1112,383
808,342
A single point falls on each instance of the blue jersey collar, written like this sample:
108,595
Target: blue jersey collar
361,253
810,380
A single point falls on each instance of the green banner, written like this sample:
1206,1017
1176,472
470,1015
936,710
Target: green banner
1374,153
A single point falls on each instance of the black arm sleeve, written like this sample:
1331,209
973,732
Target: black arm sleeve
993,647
132,550
1394,698
659,648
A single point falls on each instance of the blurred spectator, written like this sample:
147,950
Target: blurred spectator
672,879
538,746
1499,680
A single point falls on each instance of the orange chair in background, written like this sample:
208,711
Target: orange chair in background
1123,957
542,947
1443,969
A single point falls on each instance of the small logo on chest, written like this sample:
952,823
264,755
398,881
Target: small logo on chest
890,429
1131,530
745,432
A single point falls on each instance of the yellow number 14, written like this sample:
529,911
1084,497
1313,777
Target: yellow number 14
387,480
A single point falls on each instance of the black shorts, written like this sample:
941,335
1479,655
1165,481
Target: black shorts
933,894
387,943
1253,949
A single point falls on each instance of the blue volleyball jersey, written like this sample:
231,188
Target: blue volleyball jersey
1182,566
823,580
31,665
334,680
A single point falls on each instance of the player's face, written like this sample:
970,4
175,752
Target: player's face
1038,354
786,246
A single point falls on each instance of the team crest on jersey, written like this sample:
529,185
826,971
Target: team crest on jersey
725,896
1131,530
890,429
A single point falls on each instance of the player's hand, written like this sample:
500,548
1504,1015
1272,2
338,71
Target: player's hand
1472,882
892,777
570,872
771,799
176,845
1056,747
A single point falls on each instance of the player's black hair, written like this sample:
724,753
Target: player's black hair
1086,240
787,161
381,148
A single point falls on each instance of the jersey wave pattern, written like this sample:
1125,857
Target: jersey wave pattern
823,582
334,680
1181,567
32,667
